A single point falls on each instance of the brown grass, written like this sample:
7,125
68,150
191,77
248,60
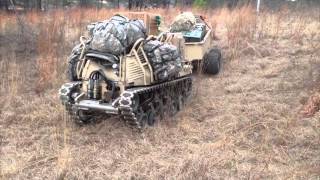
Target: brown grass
312,106
242,124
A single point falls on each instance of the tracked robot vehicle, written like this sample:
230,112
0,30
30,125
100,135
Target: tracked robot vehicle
133,82
126,84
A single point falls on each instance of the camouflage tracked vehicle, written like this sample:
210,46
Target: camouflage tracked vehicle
147,78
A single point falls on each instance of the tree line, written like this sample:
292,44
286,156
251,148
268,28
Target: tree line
42,5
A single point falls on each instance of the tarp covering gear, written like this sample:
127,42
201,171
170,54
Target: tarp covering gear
183,22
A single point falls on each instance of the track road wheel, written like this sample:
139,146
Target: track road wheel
174,106
142,118
158,107
180,102
212,61
83,117
151,117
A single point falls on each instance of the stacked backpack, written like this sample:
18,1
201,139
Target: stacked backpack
117,35
164,58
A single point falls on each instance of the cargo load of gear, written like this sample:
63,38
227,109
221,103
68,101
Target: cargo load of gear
164,58
183,22
191,26
117,35
199,48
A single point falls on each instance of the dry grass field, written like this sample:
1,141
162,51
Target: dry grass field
258,119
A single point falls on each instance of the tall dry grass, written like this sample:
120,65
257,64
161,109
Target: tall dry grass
53,34
45,39
241,124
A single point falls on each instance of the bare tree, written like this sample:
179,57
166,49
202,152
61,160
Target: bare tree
83,3
4,4
135,4
38,4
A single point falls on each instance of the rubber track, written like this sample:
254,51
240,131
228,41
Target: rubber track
127,111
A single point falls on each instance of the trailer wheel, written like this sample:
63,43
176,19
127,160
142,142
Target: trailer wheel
212,61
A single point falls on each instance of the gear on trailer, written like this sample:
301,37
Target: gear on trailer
183,22
198,36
